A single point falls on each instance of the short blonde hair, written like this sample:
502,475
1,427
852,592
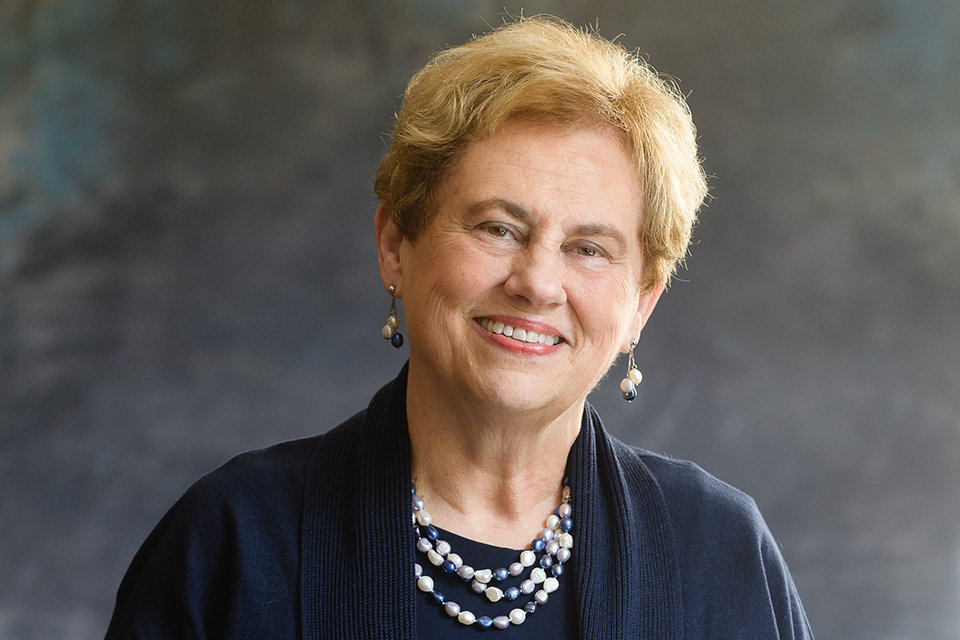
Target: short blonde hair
546,70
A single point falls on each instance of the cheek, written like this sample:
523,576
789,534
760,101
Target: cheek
605,309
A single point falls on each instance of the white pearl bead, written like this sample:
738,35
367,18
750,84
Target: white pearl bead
635,376
435,558
425,583
483,575
527,587
417,569
465,572
452,609
565,540
552,547
552,521
466,618
527,558
551,584
517,616
515,569
546,534
493,594
565,510
423,545
626,385
541,597
387,332
423,518
538,575
393,322
455,559
442,547
563,555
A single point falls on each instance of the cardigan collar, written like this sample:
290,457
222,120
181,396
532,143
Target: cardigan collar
357,573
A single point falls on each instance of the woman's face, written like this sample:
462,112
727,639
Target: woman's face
535,235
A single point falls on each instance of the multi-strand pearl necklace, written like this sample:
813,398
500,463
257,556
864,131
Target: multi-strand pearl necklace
553,544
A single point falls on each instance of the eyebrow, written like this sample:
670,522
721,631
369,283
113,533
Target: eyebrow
522,214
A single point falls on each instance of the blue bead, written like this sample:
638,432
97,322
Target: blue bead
413,488
556,570
546,561
566,481
530,607
511,594
566,524
485,621
448,566
431,533
627,395
537,545
397,342
500,574
438,597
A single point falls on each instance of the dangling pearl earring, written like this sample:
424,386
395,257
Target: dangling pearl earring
390,330
629,384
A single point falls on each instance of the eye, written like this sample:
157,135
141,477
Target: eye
590,252
500,232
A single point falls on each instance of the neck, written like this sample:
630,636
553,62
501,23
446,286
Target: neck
488,475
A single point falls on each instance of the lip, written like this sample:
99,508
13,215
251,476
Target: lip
521,323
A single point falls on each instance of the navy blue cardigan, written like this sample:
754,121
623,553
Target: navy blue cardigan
311,539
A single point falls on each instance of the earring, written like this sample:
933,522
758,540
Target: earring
629,384
389,331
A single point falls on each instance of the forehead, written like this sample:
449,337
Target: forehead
583,170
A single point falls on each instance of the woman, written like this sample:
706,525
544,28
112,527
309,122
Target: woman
538,193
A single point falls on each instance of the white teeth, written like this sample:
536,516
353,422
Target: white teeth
522,335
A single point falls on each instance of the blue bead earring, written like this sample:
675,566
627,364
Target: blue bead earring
629,384
390,330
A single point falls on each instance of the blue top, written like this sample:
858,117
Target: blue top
311,539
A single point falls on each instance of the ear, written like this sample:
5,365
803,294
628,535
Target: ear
389,240
646,301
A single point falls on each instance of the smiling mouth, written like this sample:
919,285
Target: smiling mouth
520,335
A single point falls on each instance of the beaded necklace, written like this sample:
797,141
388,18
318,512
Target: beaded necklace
546,555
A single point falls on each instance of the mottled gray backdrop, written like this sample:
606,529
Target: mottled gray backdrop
187,270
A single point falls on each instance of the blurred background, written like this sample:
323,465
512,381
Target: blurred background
187,271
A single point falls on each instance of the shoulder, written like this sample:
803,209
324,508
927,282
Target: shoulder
226,554
692,496
267,476
696,498
734,580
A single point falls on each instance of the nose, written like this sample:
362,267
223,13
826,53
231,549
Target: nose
536,278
